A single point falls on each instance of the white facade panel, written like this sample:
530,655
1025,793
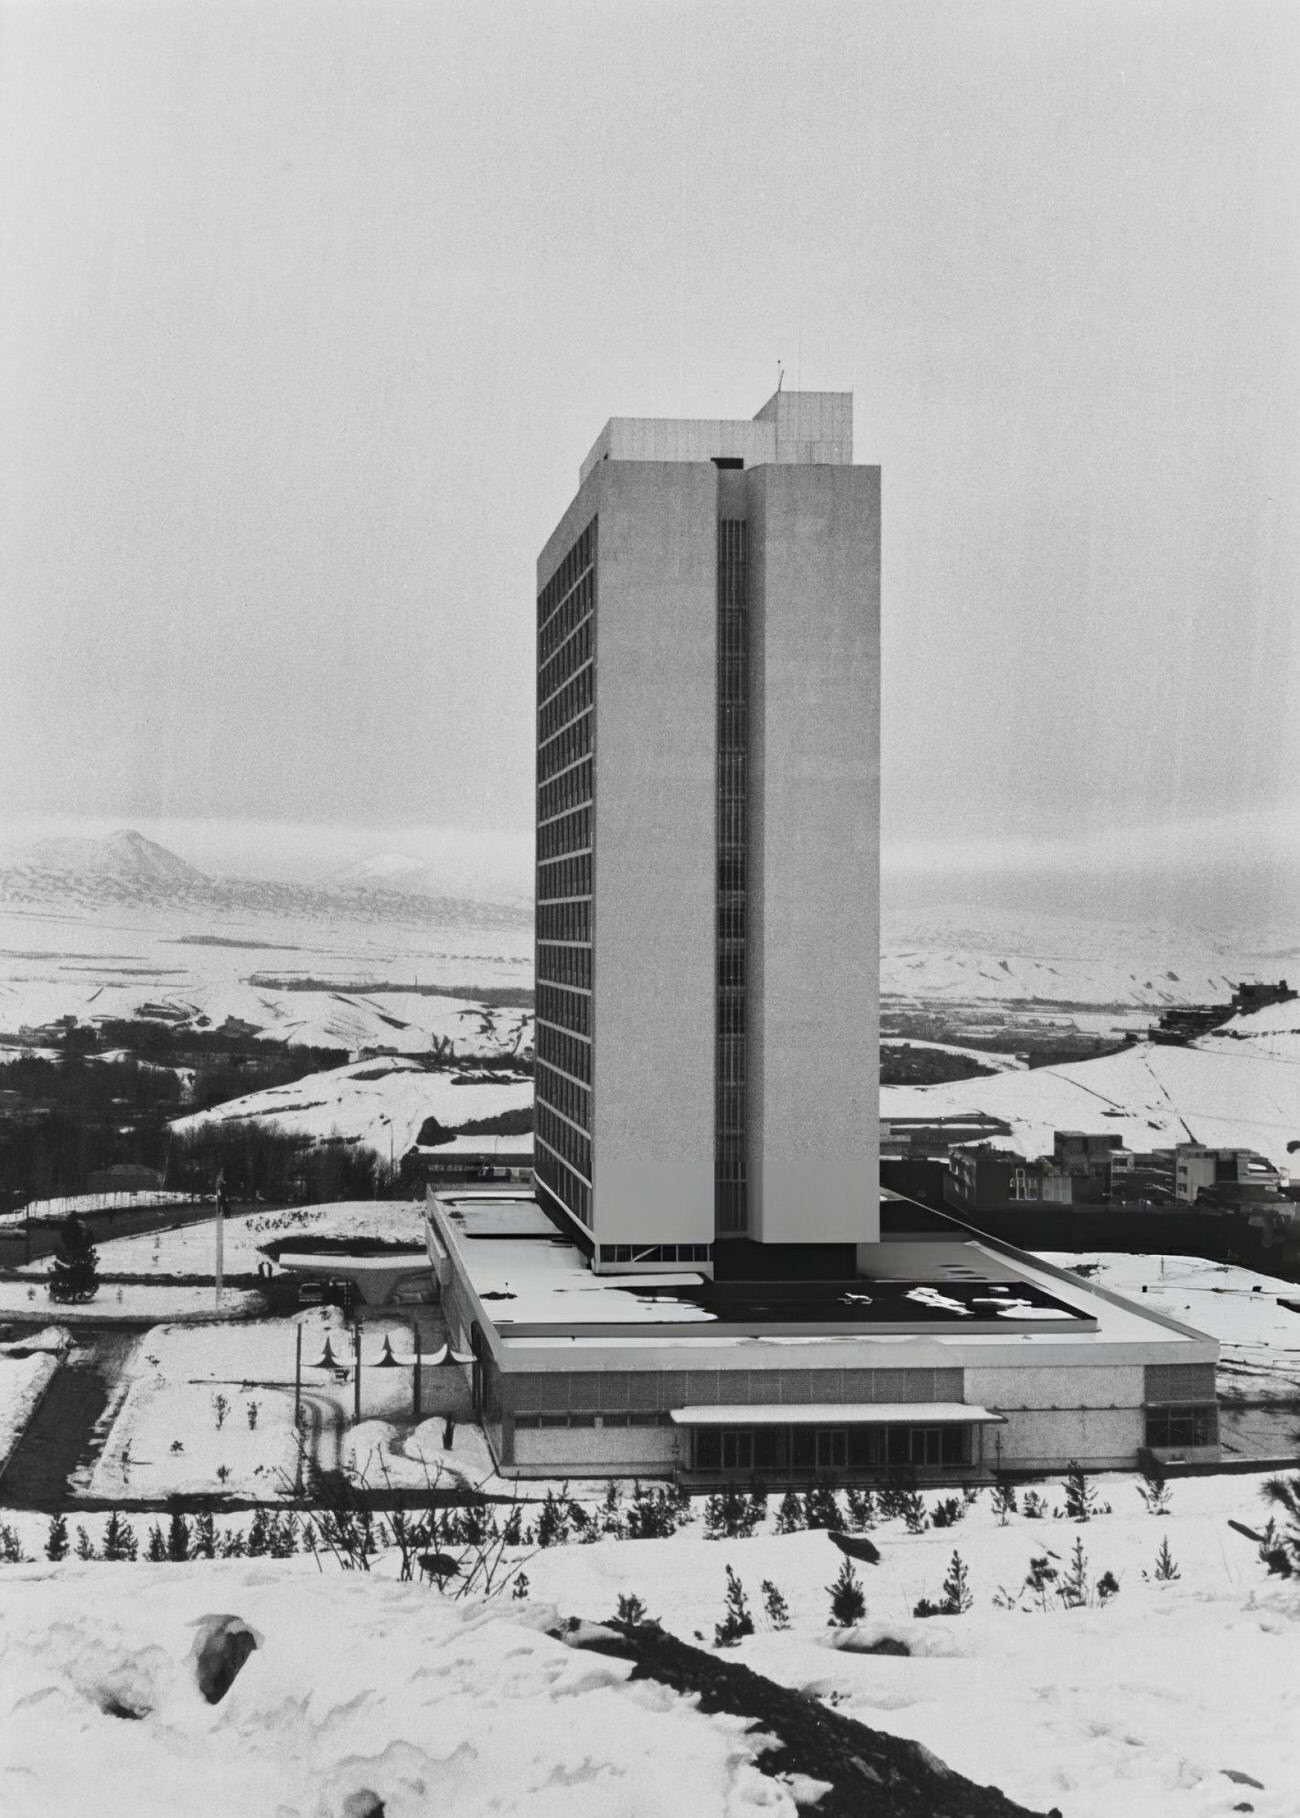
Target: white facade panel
655,766
814,854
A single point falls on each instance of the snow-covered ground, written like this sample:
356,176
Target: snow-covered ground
1247,1312
1152,1097
358,1684
964,953
1174,1700
191,1249
210,1409
381,1103
131,1302
99,1202
26,1366
200,964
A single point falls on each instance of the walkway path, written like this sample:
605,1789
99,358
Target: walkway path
61,1434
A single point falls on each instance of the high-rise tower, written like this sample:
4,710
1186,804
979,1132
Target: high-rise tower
708,844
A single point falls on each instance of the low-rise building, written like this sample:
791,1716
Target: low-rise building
944,1356
1197,1167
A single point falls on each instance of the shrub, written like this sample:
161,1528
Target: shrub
520,1590
74,1269
205,1538
737,1621
1280,1547
85,1548
913,1512
848,1603
56,1541
651,1515
1004,1500
156,1549
862,1510
790,1515
775,1607
1154,1490
11,1547
220,1407
553,1520
178,1537
119,1539
631,1613
730,1515
1166,1566
820,1508
947,1512
1032,1507
1080,1498
955,1597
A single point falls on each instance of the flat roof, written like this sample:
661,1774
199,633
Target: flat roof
952,1290
836,1414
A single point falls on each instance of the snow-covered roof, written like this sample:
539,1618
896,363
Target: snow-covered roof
839,1414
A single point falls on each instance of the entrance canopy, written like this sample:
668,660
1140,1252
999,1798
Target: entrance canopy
836,1414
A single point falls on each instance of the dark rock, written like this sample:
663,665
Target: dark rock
857,1546
1240,1779
903,1780
222,1646
364,1803
438,1565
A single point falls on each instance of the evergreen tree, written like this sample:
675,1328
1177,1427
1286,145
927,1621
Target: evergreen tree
205,1536
1154,1490
1080,1497
957,1597
155,1551
74,1271
862,1510
56,1541
775,1606
85,1548
790,1516
178,1538
820,1509
737,1622
848,1604
119,1539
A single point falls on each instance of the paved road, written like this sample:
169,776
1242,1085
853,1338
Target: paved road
62,1433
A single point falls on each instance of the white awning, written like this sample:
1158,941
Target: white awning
837,1414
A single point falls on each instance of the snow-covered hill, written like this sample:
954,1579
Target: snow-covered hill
968,954
378,1103
1152,1097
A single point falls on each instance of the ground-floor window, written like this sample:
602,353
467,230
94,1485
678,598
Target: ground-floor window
1184,1425
828,1449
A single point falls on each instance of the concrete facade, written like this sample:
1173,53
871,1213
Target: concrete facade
639,842
814,934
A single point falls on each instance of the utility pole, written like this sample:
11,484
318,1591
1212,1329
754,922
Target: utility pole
221,1231
356,1380
415,1374
297,1407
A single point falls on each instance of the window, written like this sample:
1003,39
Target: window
1184,1426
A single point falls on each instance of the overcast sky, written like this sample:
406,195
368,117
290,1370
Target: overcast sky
309,313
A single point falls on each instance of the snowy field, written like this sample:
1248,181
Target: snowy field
131,1302
24,1379
1170,1700
191,1249
985,1057
99,1202
209,1409
380,1103
1228,1096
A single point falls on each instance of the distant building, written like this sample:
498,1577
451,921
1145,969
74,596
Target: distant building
1197,1168
984,1176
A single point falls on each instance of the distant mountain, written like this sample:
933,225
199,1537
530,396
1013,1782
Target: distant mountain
385,871
128,868
125,858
